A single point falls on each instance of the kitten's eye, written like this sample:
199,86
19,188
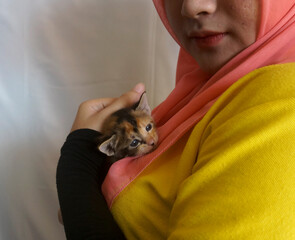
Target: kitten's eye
148,127
134,143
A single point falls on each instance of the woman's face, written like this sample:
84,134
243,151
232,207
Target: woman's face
213,31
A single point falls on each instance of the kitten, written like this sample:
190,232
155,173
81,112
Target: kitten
129,132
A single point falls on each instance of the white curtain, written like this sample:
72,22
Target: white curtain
54,54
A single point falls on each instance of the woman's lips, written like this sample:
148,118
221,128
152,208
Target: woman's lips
208,39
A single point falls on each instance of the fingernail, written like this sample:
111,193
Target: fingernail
139,88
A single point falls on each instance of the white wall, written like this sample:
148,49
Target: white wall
55,54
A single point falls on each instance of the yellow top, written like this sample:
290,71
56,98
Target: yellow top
231,177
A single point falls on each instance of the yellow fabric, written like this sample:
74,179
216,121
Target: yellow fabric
231,177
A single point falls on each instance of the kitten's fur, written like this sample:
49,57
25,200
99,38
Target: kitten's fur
129,132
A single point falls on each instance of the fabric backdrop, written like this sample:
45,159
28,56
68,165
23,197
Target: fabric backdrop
54,54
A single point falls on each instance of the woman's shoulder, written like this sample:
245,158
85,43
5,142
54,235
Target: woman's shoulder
283,68
263,85
271,88
278,78
284,72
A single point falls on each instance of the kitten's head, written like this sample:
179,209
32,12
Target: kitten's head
133,132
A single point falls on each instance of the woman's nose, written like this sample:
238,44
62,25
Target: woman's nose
197,8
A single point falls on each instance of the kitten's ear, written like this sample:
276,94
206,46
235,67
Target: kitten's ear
142,104
108,146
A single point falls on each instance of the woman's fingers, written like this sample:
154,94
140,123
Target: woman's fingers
125,100
95,105
93,113
88,110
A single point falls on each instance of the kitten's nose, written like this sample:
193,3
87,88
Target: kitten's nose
151,142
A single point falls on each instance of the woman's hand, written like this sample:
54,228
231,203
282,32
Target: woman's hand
92,113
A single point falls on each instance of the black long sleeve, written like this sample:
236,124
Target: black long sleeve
80,172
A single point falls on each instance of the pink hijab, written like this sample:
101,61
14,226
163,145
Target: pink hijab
194,93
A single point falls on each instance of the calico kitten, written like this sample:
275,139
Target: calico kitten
129,132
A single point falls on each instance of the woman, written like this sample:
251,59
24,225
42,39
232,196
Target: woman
224,168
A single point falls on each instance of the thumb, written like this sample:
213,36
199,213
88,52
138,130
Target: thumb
139,88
